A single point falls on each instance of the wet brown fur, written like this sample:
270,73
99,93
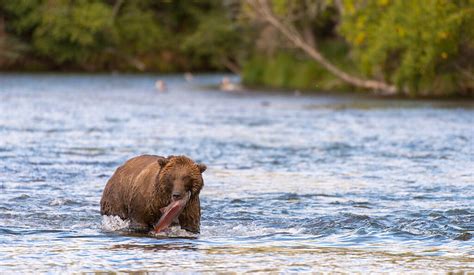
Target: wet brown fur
144,184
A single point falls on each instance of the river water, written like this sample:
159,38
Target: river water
294,183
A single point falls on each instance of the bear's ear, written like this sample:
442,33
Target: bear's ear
163,161
202,167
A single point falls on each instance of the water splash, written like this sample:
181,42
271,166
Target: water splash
114,223
174,232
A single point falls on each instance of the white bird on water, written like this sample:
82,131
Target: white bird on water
227,85
188,76
160,85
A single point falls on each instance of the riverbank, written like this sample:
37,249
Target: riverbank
289,72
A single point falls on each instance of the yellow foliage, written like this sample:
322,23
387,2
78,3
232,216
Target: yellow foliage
349,7
383,3
443,35
401,31
360,38
360,22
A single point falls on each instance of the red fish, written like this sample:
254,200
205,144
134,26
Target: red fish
170,213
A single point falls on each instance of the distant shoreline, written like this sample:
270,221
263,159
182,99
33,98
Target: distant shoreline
255,88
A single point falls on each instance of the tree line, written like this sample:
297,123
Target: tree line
391,47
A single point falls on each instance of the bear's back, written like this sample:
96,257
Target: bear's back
135,176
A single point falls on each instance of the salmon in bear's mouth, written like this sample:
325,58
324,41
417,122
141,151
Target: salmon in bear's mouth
171,213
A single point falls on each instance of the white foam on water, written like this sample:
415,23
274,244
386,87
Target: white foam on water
56,201
174,232
59,202
114,223
248,230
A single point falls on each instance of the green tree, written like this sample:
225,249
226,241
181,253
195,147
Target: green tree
216,40
293,21
117,34
420,45
74,32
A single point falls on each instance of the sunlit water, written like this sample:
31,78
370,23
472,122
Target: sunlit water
308,183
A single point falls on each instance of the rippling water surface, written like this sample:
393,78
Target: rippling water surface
309,183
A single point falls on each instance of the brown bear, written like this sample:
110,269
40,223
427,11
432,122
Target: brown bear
145,184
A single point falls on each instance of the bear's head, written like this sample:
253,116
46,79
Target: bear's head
179,175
